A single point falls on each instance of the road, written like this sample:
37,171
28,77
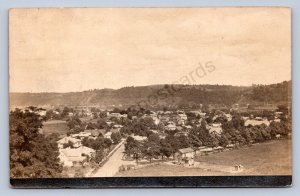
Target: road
111,167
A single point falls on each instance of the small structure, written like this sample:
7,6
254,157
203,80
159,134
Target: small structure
76,142
206,151
117,126
257,121
186,156
218,149
108,135
95,132
181,133
42,112
238,168
138,138
75,156
81,135
171,127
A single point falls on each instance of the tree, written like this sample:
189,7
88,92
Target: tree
75,125
116,137
49,114
101,124
98,156
31,153
183,142
213,141
65,112
194,138
132,146
174,143
151,147
223,141
150,150
165,149
154,138
247,135
107,143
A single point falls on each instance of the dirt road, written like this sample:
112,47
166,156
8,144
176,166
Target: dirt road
111,167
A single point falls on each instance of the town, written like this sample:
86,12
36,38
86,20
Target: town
95,142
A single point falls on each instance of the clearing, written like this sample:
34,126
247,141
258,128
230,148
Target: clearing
55,126
268,158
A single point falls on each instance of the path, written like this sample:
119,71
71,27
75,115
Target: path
111,167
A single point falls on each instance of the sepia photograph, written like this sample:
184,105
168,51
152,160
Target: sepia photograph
130,97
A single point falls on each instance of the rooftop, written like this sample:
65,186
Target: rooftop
185,150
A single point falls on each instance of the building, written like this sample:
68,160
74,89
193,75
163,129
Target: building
117,126
185,156
76,142
215,128
204,150
156,120
183,117
75,156
170,127
42,112
81,135
229,117
107,135
95,132
257,121
138,138
116,115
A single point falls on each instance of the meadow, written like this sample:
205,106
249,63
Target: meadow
268,158
55,126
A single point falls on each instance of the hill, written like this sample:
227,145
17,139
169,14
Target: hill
180,95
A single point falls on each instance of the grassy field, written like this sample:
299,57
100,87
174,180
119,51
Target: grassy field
167,170
269,158
55,126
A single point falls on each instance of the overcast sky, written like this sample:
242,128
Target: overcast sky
62,50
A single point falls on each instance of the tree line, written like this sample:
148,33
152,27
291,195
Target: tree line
234,132
32,154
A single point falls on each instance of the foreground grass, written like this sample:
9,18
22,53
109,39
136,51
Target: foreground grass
269,158
167,170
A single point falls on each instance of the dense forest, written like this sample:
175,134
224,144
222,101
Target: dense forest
162,95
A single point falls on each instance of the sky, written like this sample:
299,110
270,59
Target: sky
67,50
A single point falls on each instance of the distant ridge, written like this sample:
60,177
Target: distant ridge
279,93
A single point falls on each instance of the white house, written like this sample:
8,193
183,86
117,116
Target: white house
171,127
257,121
107,135
65,140
70,156
185,155
215,128
138,138
81,135
42,113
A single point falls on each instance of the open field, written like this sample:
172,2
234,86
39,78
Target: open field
55,126
269,158
168,170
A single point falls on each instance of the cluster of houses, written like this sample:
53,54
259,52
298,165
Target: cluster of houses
76,154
